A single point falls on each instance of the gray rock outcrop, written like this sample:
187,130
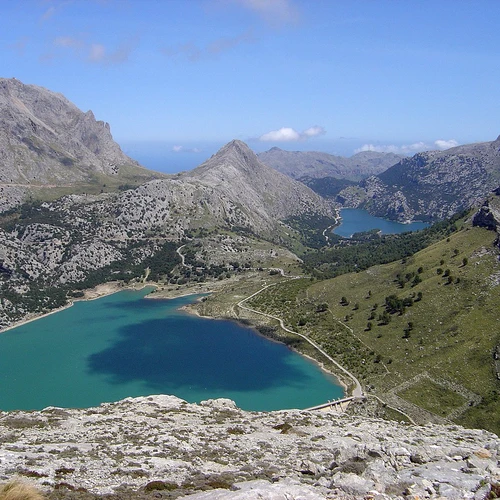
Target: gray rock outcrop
431,185
163,443
488,215
46,141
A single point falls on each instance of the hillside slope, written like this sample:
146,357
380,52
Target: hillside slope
421,333
236,173
47,142
316,165
431,185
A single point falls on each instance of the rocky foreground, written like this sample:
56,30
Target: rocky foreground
163,447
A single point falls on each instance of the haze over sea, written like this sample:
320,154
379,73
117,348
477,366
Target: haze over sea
124,345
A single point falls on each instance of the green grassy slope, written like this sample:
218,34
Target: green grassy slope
436,352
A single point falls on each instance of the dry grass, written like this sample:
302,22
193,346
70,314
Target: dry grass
18,490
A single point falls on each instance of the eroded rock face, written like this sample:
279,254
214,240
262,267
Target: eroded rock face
431,185
163,443
488,215
45,139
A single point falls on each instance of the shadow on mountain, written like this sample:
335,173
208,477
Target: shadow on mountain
165,354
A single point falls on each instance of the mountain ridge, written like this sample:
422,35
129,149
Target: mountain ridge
430,185
237,172
46,142
316,165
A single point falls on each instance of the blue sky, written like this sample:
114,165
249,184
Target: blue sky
183,77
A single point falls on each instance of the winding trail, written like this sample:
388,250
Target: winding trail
183,259
357,391
329,229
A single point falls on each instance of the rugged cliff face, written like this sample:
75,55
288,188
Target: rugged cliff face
488,215
169,448
46,141
261,193
431,185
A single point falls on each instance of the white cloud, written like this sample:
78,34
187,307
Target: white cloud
404,149
442,144
314,131
378,148
288,134
408,149
274,12
284,134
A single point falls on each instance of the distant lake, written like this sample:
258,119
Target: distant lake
125,345
355,220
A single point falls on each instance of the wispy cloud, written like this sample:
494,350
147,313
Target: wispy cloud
98,53
188,50
408,149
273,12
224,44
48,13
68,41
194,53
51,11
287,134
93,52
20,45
182,149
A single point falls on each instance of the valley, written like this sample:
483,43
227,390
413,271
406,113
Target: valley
408,323
426,321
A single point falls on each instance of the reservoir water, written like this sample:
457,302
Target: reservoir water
124,345
355,220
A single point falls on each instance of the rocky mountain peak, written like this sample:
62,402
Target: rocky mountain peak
235,153
45,140
238,174
51,133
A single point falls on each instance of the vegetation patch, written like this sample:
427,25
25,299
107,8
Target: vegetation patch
433,397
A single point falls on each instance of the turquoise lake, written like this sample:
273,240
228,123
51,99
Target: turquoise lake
124,345
355,220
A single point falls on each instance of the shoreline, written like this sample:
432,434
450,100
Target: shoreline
253,325
97,292
160,293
